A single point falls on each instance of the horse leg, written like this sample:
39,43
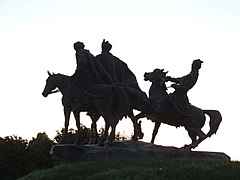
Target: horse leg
111,137
135,130
201,136
155,130
140,115
105,135
94,133
193,136
104,109
109,121
67,113
77,118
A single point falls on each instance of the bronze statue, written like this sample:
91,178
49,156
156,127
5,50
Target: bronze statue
105,86
86,91
191,117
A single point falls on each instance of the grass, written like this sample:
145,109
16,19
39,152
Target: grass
149,169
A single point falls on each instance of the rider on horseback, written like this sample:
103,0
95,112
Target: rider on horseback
179,98
116,68
86,73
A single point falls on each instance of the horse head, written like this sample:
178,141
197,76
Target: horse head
51,85
158,88
157,76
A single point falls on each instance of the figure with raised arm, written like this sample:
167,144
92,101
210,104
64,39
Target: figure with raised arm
182,85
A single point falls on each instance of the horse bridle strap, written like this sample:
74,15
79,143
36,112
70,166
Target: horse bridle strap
55,91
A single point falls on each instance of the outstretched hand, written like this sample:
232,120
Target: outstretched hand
174,86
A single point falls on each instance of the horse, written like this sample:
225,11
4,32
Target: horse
62,84
109,101
193,119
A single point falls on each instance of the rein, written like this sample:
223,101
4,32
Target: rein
55,91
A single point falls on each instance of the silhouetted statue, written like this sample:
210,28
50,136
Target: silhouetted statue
192,118
105,86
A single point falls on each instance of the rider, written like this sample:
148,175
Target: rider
118,70
182,85
83,57
86,73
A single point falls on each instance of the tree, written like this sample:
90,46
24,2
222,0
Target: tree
72,135
13,155
39,152
121,137
118,135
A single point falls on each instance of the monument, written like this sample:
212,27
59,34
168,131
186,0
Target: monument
105,86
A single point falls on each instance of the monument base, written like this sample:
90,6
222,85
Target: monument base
66,153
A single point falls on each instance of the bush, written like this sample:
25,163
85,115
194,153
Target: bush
72,135
19,157
38,153
13,155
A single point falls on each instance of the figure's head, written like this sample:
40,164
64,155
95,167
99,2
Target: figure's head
196,65
78,45
106,46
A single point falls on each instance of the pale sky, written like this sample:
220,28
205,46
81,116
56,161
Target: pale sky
36,36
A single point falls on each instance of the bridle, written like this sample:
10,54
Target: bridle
54,91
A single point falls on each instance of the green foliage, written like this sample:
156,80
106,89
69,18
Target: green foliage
121,137
170,169
19,157
118,135
38,152
12,157
72,135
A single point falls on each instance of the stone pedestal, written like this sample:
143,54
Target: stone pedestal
125,150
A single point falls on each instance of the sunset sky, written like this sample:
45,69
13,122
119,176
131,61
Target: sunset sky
36,36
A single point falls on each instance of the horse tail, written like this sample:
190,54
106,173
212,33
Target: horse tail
215,120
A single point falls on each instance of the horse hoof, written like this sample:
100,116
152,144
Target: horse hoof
186,147
100,144
61,142
108,144
77,143
134,138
